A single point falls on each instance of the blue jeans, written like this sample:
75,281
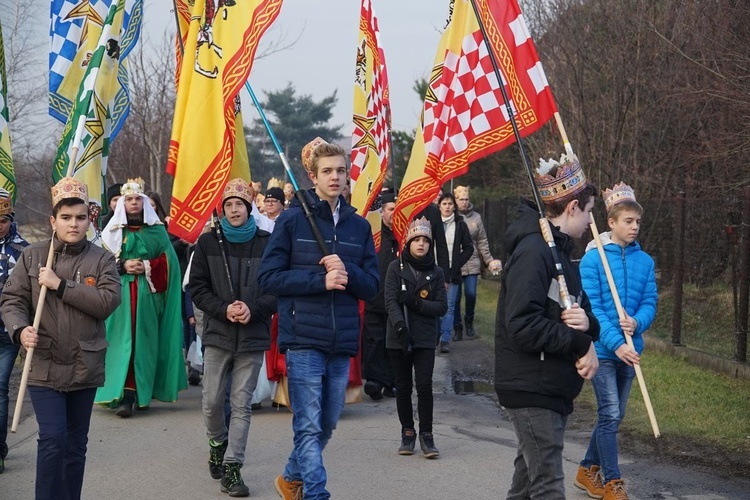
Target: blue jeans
317,390
446,323
8,353
63,419
470,286
612,384
538,470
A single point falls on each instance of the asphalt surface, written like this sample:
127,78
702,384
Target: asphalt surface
163,454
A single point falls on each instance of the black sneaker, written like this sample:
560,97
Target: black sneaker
444,349
216,458
194,376
428,445
389,392
408,440
232,482
125,408
374,390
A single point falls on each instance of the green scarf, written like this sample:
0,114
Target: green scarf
241,234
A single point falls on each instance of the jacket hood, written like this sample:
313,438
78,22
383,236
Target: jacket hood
527,223
606,238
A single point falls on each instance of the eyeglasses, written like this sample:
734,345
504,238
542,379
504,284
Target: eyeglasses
270,200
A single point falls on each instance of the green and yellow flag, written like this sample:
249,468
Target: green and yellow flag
7,175
89,124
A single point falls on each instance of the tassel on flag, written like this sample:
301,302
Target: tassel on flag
371,135
465,117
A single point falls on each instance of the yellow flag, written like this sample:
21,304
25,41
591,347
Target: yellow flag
219,48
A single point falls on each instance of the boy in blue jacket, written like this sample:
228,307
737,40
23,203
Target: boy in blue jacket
634,277
318,303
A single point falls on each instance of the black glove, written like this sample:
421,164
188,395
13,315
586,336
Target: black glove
409,300
402,334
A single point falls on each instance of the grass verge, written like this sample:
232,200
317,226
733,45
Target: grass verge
695,408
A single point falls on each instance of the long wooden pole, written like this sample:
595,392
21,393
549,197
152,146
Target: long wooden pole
42,295
621,315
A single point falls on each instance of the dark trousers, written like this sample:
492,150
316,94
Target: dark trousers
538,465
423,362
63,419
376,363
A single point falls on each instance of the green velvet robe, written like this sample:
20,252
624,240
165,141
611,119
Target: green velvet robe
159,361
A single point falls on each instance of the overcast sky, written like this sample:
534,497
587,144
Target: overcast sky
322,60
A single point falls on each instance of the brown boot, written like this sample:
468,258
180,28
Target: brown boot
615,490
590,480
288,490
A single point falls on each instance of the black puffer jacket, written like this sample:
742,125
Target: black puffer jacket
535,352
210,290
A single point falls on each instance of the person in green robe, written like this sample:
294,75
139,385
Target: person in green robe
145,360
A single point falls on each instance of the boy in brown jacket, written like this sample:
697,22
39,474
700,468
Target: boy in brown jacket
70,344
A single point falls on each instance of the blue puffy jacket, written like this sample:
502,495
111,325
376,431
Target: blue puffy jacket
635,280
309,315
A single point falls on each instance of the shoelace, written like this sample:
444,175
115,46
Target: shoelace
619,491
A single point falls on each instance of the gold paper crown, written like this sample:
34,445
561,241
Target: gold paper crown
619,193
133,186
274,182
68,187
238,188
419,227
568,180
6,205
461,190
308,150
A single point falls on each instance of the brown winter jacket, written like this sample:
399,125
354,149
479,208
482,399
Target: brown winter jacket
72,342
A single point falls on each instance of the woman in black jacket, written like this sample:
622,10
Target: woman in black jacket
415,299
452,251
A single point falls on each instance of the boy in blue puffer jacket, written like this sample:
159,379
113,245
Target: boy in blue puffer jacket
634,277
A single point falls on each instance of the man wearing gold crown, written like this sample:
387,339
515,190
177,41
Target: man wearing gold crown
318,300
145,359
543,351
70,344
11,246
236,331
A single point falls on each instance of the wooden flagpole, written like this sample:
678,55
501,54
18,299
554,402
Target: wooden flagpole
621,315
43,291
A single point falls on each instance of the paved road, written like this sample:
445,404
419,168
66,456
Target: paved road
162,454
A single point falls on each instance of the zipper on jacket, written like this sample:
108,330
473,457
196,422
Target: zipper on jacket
624,300
334,240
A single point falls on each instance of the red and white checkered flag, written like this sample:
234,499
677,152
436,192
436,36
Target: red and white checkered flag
370,137
465,117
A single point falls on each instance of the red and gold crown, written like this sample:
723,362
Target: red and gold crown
133,186
308,150
419,227
6,203
238,188
68,187
568,180
619,193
